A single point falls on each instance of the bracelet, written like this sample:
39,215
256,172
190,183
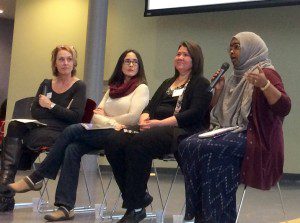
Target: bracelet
266,86
52,105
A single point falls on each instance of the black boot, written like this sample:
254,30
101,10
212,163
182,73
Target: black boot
10,156
6,203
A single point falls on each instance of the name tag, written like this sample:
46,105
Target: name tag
49,95
177,92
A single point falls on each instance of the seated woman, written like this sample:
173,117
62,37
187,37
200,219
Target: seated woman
122,105
254,99
177,110
59,102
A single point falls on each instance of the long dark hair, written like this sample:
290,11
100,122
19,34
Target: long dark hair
117,76
197,58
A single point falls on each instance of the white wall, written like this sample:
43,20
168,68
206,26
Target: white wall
157,39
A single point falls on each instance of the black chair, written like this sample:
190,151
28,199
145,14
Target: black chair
22,108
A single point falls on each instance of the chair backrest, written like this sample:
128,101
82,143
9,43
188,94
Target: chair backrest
22,108
90,105
2,123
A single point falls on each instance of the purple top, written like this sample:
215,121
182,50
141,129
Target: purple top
263,161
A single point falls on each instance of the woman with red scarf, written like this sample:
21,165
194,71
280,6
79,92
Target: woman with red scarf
121,106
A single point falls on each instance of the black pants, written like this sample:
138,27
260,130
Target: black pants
131,155
33,136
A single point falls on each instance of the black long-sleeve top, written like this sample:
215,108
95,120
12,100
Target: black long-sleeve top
193,116
69,107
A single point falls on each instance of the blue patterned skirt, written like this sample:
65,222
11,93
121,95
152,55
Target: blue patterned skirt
211,169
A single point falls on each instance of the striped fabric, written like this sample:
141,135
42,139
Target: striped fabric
211,168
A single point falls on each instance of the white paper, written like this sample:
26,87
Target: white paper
23,120
217,132
91,126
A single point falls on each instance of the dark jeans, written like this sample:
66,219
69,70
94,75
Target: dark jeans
131,155
72,144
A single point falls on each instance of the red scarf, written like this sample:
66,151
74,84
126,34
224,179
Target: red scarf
124,89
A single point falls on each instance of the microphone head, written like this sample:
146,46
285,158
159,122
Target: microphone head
225,66
45,90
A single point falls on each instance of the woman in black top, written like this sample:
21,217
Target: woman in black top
177,110
59,102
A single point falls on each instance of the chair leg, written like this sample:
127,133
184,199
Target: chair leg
183,208
115,207
282,204
86,185
100,176
240,205
158,185
171,187
105,197
40,204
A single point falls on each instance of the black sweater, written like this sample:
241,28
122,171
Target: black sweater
60,116
194,114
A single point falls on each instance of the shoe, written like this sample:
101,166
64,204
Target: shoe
25,185
61,214
133,217
7,204
123,219
147,199
188,217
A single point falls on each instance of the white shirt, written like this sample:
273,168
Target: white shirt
125,110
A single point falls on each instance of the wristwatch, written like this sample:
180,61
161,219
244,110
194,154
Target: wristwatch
52,105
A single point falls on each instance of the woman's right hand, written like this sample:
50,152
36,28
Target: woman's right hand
220,84
99,111
44,101
144,121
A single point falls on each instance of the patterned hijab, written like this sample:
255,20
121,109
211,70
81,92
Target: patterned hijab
234,104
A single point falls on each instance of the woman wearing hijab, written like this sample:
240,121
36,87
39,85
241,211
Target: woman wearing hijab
253,99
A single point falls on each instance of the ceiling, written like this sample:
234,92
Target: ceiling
9,8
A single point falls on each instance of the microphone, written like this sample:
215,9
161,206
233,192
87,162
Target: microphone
45,90
223,69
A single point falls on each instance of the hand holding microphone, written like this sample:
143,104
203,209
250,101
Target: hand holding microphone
44,101
217,76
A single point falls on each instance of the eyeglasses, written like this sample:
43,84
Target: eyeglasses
133,62
234,47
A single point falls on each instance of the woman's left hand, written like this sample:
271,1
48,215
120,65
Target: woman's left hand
44,101
257,77
99,111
